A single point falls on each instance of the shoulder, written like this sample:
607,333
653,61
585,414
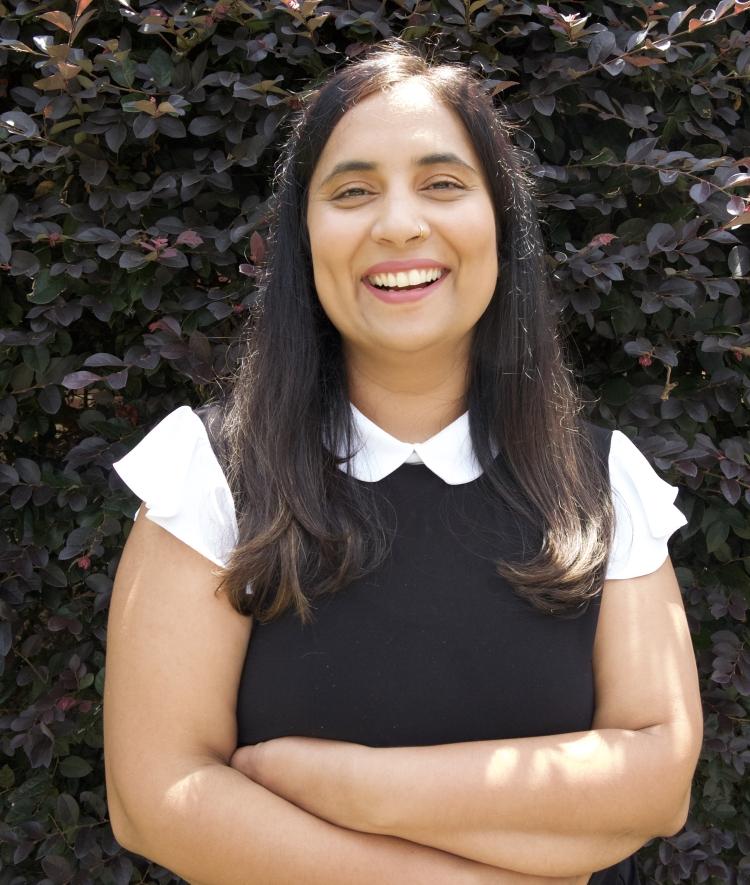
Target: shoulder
646,514
175,472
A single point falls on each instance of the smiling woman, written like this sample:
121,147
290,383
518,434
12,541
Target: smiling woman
444,643
396,147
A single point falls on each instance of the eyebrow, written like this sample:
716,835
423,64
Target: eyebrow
427,160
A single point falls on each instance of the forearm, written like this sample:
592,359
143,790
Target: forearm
557,804
212,825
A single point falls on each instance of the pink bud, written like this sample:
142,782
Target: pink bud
65,703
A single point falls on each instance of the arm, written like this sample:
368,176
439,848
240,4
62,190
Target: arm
200,833
562,803
170,728
439,793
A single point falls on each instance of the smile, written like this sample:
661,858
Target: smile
399,296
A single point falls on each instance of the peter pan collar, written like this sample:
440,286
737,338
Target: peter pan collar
449,454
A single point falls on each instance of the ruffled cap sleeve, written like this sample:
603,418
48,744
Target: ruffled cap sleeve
175,472
645,512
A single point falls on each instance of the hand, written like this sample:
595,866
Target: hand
322,777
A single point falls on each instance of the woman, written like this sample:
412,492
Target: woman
461,658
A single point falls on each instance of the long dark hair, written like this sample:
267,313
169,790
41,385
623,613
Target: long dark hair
305,527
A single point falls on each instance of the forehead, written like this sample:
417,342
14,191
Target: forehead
394,125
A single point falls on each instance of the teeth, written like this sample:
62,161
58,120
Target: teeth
406,278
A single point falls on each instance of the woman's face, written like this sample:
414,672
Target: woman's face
360,218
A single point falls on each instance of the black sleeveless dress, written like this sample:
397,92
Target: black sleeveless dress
432,647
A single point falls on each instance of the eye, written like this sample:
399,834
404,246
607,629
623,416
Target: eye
352,190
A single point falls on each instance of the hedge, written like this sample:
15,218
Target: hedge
137,150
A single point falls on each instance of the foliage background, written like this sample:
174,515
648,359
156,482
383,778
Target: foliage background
137,146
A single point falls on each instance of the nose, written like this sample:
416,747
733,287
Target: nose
399,221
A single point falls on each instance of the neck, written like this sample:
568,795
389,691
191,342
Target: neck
411,396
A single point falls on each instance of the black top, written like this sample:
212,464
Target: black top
432,647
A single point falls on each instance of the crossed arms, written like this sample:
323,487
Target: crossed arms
551,806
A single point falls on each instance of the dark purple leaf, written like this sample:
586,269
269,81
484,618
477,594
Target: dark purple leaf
79,380
736,206
205,125
661,237
638,151
16,123
144,126
117,380
601,46
93,170
171,127
701,191
115,136
131,260
50,399
103,359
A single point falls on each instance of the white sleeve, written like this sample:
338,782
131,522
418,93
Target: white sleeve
645,513
175,472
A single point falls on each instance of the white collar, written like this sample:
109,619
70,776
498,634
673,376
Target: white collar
449,454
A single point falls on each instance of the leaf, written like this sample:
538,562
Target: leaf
668,176
122,72
638,151
45,288
661,237
28,470
144,126
24,263
59,19
716,535
130,260
67,810
676,20
544,104
81,23
17,46
67,70
737,206
74,766
739,261
603,239
613,67
47,84
8,210
606,156
117,380
18,123
737,178
700,191
641,61
161,66
103,359
79,380
93,170
205,125
257,247
189,238
602,45
50,399
115,136
143,105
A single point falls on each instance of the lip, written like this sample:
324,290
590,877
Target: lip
396,296
404,264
